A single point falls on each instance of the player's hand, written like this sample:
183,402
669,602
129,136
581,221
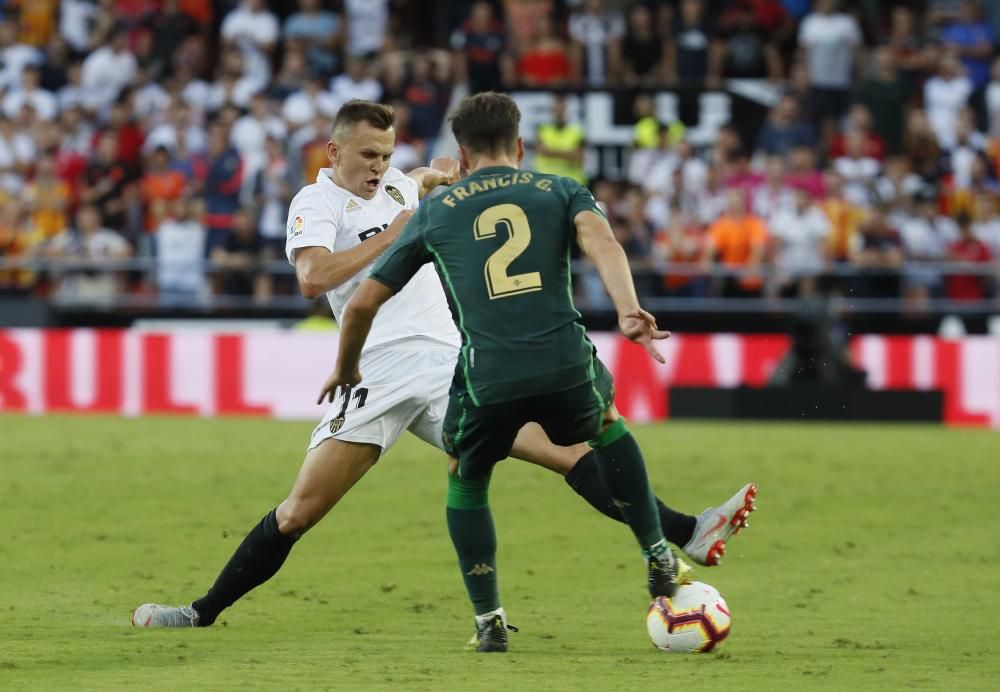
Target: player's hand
335,382
640,327
449,170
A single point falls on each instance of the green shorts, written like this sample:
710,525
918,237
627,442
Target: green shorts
481,436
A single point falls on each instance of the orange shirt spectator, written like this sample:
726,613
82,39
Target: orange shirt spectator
682,242
738,239
38,20
47,197
160,184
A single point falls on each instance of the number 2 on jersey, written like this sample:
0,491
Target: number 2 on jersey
499,283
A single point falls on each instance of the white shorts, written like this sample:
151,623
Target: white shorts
403,389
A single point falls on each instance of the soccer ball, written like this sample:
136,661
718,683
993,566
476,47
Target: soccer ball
695,619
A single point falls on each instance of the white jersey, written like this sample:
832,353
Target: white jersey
324,214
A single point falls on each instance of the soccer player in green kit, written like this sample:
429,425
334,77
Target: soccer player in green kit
500,240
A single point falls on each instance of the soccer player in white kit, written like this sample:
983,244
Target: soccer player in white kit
337,227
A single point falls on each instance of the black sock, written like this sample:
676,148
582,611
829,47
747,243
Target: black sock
258,558
585,479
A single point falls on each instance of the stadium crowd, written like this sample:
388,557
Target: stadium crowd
177,131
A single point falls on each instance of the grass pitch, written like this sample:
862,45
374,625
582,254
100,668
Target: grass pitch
870,564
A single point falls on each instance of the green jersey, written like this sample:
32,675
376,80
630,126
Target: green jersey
500,240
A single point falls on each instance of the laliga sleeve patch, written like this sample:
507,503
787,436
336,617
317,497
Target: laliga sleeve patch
297,226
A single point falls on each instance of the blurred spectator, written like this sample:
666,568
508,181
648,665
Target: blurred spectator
845,217
828,39
738,240
859,125
945,94
367,22
992,95
355,82
878,253
802,173
104,182
253,29
292,75
250,133
273,193
223,178
237,259
801,232
75,17
107,71
42,101
774,196
971,39
88,245
908,49
926,238
921,146
19,239
128,135
546,62
170,28
967,248
688,48
885,95
180,252
311,101
150,99
14,55
596,42
410,151
746,50
480,50
160,183
646,131
634,232
38,21
857,169
561,145
681,242
54,71
47,197
319,30
642,49
784,130
178,121
71,94
428,97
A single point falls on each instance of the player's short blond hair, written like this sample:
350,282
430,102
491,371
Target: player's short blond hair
377,115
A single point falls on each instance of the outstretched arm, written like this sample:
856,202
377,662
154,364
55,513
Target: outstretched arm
356,322
442,171
598,242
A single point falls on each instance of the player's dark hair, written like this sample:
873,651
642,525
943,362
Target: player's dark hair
357,111
487,123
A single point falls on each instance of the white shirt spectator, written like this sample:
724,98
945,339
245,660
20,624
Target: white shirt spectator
928,239
302,106
239,95
16,149
859,178
105,74
594,32
829,41
197,94
89,285
253,32
988,232
70,96
76,18
180,256
44,103
993,105
151,101
769,202
802,234
344,89
14,59
249,136
165,135
943,99
366,24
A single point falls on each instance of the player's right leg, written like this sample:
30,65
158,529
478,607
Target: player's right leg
328,472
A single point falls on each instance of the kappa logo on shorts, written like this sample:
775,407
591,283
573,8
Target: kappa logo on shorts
336,424
296,227
395,194
480,569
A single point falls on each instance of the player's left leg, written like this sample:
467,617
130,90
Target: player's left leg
578,465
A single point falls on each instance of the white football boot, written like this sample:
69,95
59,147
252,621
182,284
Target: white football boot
153,615
716,525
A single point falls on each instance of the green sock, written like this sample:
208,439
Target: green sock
624,473
470,525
